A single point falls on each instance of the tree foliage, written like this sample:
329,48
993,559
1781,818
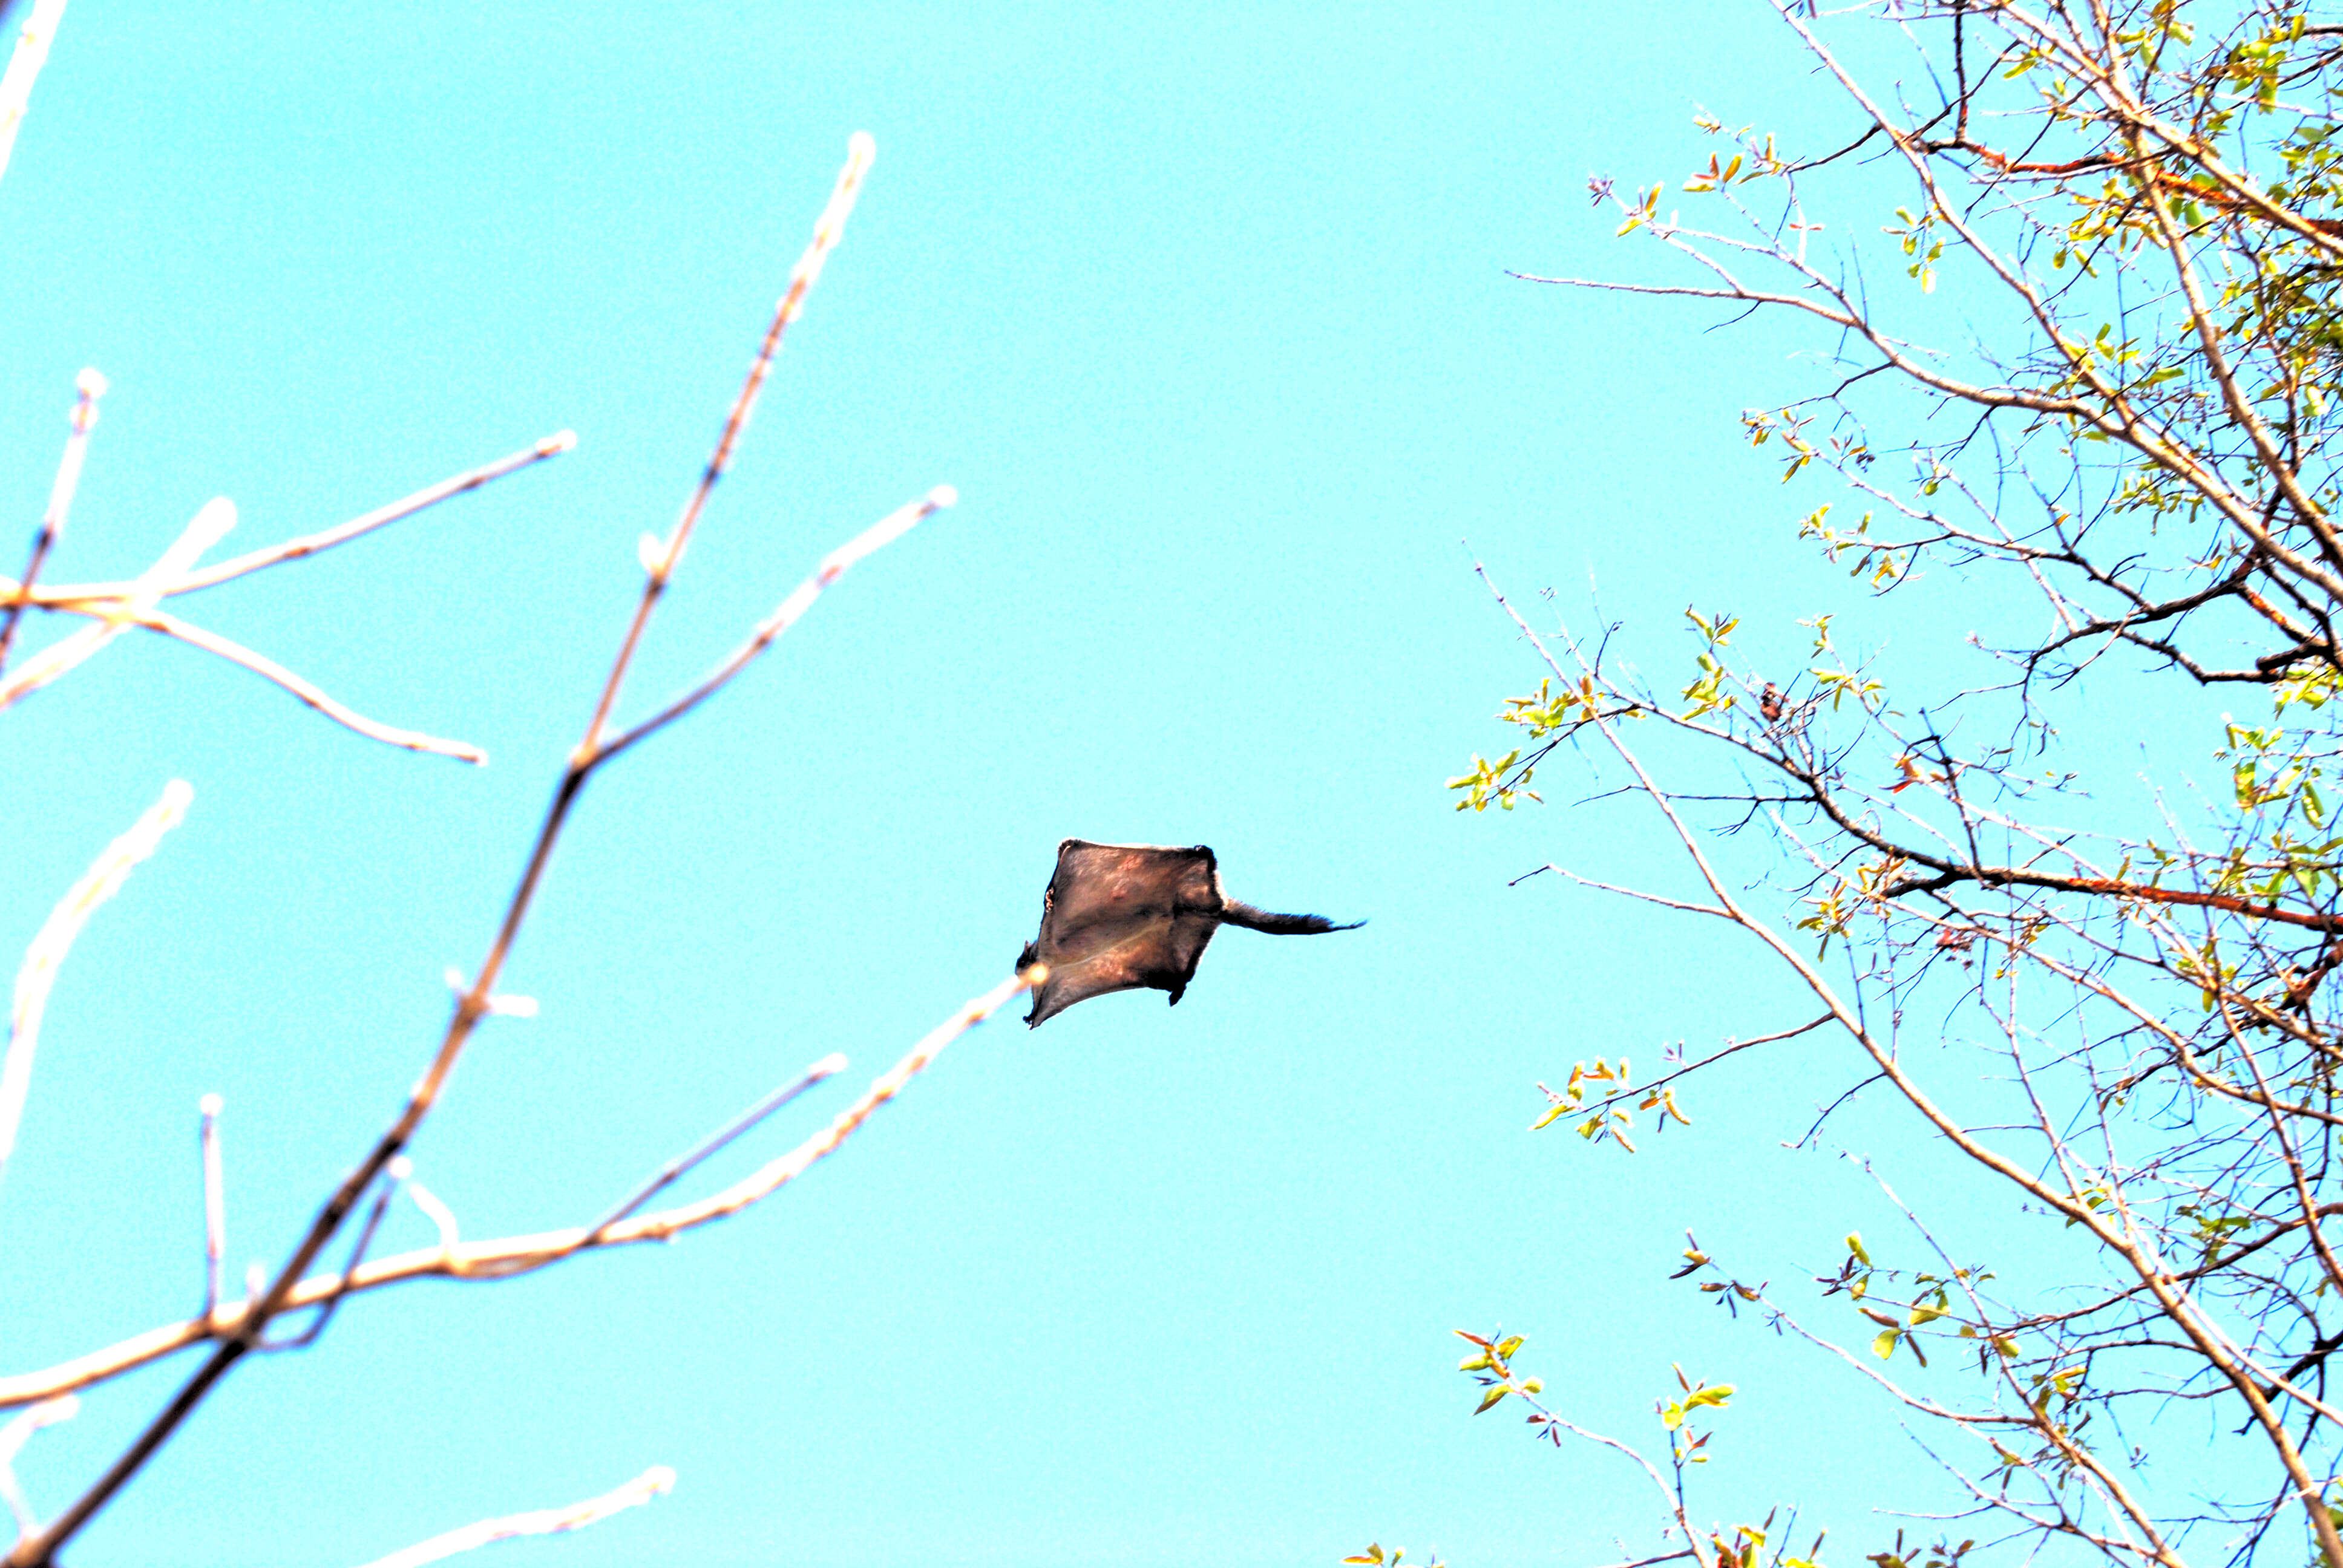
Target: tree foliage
2077,273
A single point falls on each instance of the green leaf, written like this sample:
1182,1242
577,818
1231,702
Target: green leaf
1883,1345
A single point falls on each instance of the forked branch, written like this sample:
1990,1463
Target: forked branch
478,1001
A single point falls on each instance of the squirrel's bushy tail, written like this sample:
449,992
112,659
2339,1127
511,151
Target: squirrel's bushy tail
1277,925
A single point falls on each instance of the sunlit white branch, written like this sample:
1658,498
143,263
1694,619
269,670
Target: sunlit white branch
828,230
545,1521
437,1212
24,68
55,938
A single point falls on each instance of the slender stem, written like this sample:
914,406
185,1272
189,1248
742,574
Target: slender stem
826,233
833,567
682,1165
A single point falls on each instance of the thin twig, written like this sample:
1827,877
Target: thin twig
828,230
393,1175
438,1213
325,540
210,524
215,1205
892,526
88,387
168,625
115,605
12,1438
124,604
682,1165
1636,893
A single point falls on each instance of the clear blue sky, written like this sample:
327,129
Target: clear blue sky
1202,310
